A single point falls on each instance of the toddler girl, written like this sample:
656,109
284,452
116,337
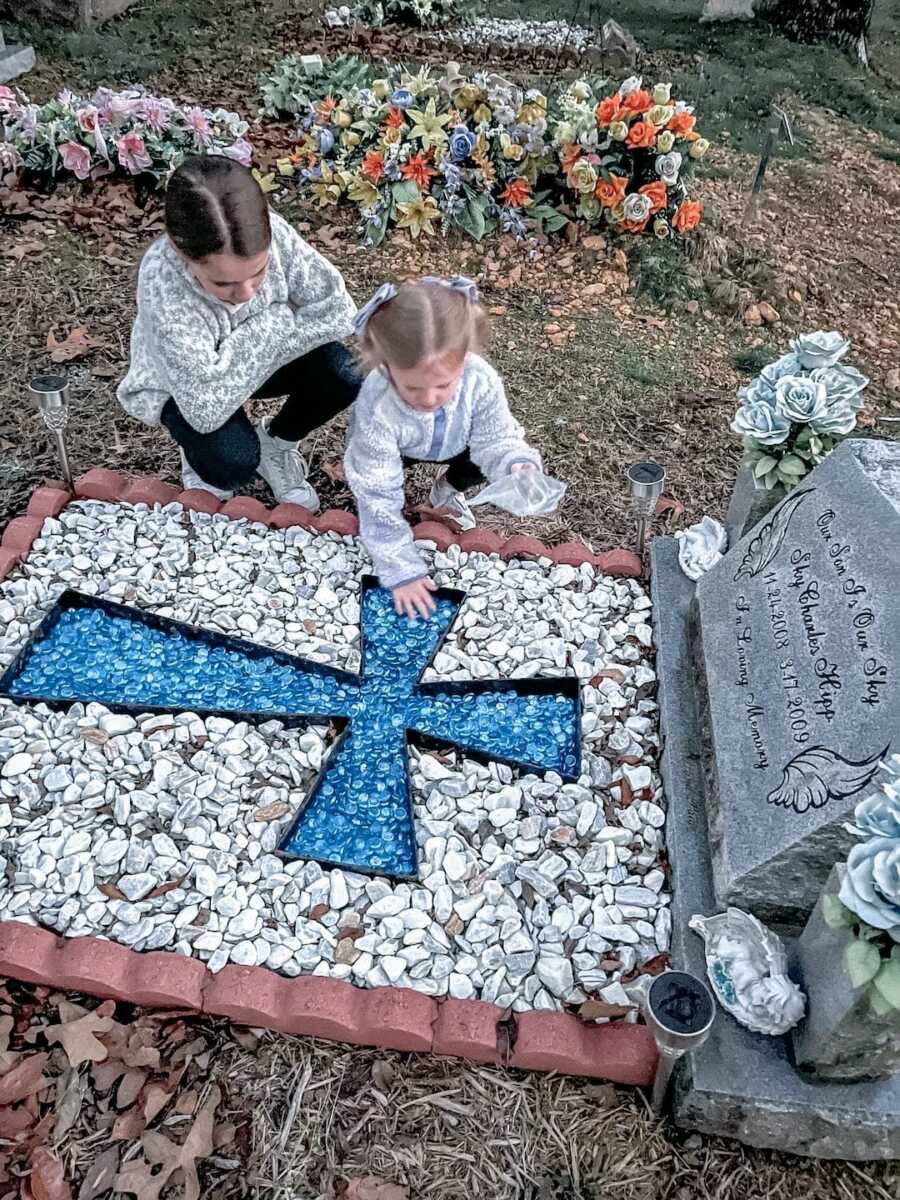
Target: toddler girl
429,395
234,304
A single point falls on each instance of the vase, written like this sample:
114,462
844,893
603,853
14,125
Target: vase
842,1038
748,505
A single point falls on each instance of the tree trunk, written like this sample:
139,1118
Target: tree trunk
842,22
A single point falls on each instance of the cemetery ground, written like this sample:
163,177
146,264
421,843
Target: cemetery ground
608,358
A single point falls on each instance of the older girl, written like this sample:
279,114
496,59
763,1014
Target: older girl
233,304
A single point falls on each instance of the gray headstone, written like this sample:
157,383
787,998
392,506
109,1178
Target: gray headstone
14,60
797,641
748,505
728,10
618,45
739,1084
842,1036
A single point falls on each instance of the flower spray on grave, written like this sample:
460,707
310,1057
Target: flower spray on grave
130,132
868,903
797,409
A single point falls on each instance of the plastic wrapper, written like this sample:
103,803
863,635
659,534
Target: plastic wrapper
526,493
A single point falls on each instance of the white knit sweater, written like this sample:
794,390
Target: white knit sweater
210,357
384,430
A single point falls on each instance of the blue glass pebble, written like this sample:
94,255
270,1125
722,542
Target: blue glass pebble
358,813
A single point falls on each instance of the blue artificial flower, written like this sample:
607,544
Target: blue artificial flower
511,221
871,886
326,141
820,349
761,422
842,383
452,175
462,143
403,98
800,399
451,204
788,364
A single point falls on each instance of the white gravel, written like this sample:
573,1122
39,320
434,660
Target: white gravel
159,832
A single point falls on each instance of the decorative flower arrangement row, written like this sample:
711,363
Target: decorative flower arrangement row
130,132
425,13
869,899
797,409
473,153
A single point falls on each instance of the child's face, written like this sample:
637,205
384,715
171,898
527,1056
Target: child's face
431,383
230,278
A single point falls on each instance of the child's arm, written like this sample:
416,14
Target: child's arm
373,467
323,309
497,441
208,379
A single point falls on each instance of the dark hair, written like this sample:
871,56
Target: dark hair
215,206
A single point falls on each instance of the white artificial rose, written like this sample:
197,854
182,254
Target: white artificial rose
800,399
637,207
819,349
668,166
631,84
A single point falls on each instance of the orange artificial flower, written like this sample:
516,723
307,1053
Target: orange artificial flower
608,110
326,108
682,125
569,157
687,217
633,226
637,102
395,118
517,193
641,135
657,194
611,193
418,170
373,166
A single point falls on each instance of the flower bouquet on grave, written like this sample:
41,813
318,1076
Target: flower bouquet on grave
628,157
868,903
129,132
797,409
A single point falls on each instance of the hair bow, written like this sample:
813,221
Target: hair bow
385,293
457,283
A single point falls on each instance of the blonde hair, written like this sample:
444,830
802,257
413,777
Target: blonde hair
424,320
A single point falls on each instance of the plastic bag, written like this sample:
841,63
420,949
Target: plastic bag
524,493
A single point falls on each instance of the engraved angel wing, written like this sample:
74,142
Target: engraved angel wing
818,775
767,542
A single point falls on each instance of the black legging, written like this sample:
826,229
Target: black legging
318,386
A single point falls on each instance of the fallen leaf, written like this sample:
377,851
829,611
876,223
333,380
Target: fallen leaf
110,889
594,242
100,1175
334,469
77,344
670,504
70,1089
271,812
22,248
164,888
155,1100
383,1074
128,1126
604,1094
655,965
329,236
25,1079
223,1135
139,1177
105,371
608,673
370,1187
590,1010
7,1056
130,1088
47,1180
77,1036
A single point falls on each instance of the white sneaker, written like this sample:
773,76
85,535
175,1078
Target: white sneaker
190,480
284,469
444,496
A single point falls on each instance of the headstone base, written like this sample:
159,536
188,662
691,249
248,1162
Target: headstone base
14,60
740,1084
748,505
841,1037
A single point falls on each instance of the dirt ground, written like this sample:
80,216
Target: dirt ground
607,360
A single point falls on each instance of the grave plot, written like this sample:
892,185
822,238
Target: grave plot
205,751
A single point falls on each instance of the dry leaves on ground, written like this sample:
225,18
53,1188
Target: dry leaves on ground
77,343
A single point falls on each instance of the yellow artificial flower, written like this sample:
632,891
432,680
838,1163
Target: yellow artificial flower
429,126
417,216
482,114
267,183
617,214
349,139
580,90
382,89
583,176
661,228
698,148
660,114
618,131
341,118
665,141
511,150
329,187
420,84
362,192
468,96
285,166
533,111
662,93
392,136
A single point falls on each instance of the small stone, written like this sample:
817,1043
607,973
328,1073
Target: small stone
461,986
116,724
135,887
17,765
205,880
455,866
387,906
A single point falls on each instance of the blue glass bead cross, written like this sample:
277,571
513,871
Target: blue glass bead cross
358,814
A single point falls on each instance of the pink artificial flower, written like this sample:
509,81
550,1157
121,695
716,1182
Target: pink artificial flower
133,153
155,113
197,120
121,106
88,119
241,151
8,100
76,159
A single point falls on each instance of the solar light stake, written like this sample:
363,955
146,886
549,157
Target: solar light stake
679,1011
52,394
645,482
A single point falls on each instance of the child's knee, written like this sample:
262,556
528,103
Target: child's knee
232,464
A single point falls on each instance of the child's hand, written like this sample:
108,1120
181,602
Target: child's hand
415,598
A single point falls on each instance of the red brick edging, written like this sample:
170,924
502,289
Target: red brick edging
393,1018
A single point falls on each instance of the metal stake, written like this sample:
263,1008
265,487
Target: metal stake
645,482
679,1011
779,122
52,394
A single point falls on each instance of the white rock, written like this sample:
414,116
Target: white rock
17,765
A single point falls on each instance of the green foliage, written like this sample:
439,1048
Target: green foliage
861,961
660,271
288,89
752,359
837,915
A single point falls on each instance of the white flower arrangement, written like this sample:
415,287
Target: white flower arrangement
797,409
